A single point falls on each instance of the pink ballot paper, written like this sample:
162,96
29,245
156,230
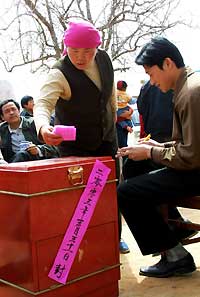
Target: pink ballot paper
79,223
66,132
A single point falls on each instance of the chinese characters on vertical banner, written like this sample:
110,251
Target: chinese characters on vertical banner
79,223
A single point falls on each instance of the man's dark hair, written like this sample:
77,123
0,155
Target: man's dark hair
156,51
25,100
6,101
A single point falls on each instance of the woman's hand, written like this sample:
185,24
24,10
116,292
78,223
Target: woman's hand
49,137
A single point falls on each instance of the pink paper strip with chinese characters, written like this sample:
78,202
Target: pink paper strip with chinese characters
79,223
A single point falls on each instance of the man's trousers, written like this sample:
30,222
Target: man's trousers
140,198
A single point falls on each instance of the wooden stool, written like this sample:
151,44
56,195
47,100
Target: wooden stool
190,203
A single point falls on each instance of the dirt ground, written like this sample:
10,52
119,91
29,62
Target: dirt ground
134,285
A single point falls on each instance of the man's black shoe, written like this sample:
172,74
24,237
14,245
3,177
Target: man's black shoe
165,268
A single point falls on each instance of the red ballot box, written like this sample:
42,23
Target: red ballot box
37,202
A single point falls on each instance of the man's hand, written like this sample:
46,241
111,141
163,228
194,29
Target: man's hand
150,142
32,149
49,137
136,152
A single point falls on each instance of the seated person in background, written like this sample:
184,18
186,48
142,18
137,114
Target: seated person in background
27,104
15,130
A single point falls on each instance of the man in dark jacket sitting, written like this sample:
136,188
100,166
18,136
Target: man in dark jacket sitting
16,130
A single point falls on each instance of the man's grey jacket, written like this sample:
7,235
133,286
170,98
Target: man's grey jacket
30,134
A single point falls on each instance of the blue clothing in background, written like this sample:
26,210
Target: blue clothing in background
156,109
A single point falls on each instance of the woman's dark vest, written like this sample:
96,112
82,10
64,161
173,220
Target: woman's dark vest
86,108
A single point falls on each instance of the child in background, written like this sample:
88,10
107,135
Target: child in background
125,121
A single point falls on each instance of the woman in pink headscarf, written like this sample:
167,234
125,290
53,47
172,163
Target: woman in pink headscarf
80,87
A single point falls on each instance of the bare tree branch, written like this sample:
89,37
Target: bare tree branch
34,30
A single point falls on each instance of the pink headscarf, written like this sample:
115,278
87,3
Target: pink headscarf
81,35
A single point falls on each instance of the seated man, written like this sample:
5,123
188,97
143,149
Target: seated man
140,197
15,130
156,116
